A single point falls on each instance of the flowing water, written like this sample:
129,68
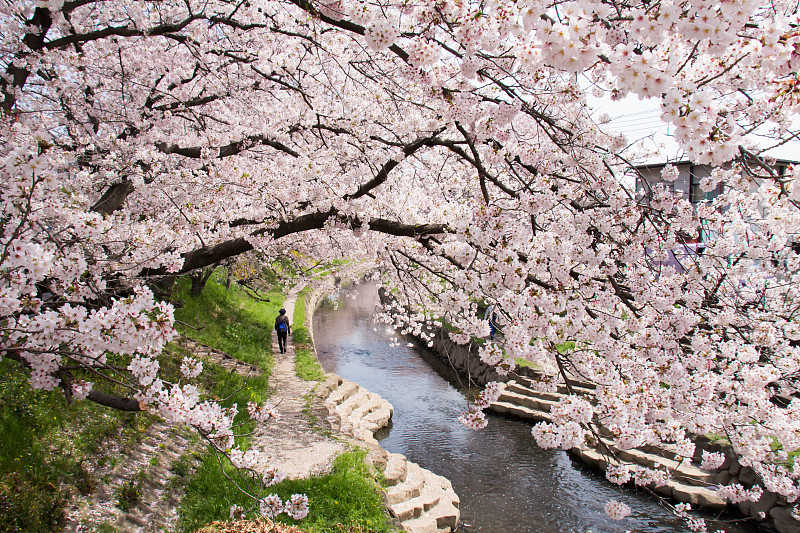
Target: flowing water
505,482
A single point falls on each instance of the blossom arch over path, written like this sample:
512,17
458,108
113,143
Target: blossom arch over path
451,141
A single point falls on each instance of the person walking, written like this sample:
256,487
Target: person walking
283,328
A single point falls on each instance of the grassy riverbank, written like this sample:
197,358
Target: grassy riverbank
342,501
305,362
50,451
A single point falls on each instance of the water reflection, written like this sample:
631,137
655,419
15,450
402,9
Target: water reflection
506,483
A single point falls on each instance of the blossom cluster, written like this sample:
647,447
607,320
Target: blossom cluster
262,412
736,493
712,460
296,506
617,510
475,418
191,367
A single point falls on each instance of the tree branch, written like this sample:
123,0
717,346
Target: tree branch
209,255
387,167
234,148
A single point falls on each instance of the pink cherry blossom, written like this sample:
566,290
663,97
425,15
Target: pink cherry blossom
617,510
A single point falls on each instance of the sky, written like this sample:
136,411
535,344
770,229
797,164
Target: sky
640,121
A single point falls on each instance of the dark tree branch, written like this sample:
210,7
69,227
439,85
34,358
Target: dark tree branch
113,198
120,403
234,148
387,167
118,31
41,20
308,7
209,255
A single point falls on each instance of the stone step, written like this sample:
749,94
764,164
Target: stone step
579,386
448,512
683,492
696,496
342,392
518,388
362,413
505,408
346,427
375,420
414,495
353,402
559,394
429,496
680,470
667,451
410,487
364,435
331,383
443,516
396,469
538,404
424,524
371,403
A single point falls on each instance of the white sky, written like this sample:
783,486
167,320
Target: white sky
640,121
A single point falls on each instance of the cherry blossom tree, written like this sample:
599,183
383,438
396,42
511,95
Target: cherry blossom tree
452,142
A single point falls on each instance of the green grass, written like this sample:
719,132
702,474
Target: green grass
225,388
45,446
348,495
521,361
229,320
300,333
717,438
345,498
306,365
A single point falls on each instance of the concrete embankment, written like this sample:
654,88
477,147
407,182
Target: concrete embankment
420,501
688,483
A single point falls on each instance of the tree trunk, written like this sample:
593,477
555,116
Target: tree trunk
163,286
199,279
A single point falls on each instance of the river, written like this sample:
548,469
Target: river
505,482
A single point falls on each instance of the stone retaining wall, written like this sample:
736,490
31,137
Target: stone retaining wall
463,358
772,509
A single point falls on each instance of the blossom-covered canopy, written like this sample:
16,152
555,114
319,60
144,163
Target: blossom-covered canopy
448,140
